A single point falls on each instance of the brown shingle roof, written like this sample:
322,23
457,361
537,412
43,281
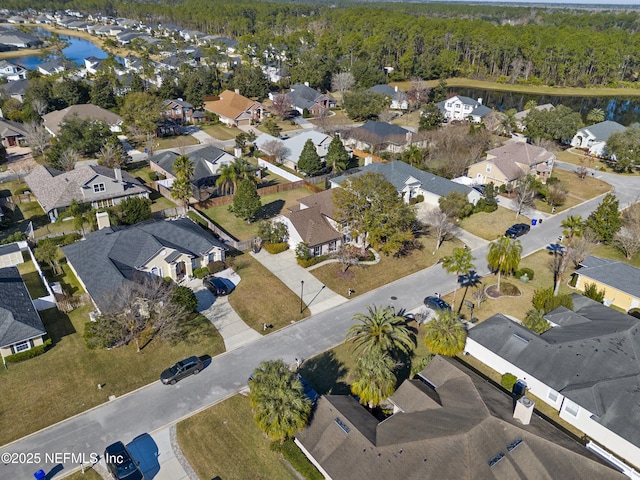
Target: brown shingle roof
312,226
54,120
508,167
522,152
323,200
230,104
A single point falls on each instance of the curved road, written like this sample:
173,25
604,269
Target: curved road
156,406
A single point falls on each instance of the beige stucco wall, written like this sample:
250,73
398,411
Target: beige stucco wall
494,176
616,297
7,351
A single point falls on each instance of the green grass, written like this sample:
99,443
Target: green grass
272,205
32,280
178,141
569,157
584,189
68,281
363,278
224,442
607,251
160,202
221,132
262,298
69,373
89,474
490,225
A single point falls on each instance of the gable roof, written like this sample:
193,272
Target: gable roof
508,167
322,200
521,152
177,101
603,130
312,226
55,188
9,128
593,362
479,109
399,172
230,104
302,96
388,91
17,87
118,252
618,275
296,143
19,320
454,437
383,130
54,120
521,115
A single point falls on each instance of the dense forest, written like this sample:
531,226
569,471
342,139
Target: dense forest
532,45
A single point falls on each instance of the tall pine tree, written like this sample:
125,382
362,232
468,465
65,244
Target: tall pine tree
246,202
337,155
309,162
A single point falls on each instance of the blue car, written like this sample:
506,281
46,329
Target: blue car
120,463
436,303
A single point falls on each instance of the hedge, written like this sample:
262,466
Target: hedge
216,266
524,271
308,262
274,248
27,354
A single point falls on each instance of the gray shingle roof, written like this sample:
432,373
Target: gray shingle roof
116,252
603,130
618,275
9,248
302,96
19,320
388,91
593,362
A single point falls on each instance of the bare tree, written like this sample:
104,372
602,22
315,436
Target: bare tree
111,156
418,93
580,248
347,256
68,159
525,194
280,105
276,149
37,137
40,106
441,225
480,295
627,240
557,194
342,82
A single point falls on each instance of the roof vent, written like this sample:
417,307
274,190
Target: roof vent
520,338
345,428
496,459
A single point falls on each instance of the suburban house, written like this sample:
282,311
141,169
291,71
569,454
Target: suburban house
302,97
166,248
10,255
411,182
54,66
53,120
514,160
463,108
447,423
620,281
20,325
594,138
99,186
12,72
11,133
295,145
520,116
15,89
586,367
398,99
311,222
181,112
18,39
234,109
380,137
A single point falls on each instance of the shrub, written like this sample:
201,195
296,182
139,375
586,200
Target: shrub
14,237
275,248
543,299
509,289
508,380
215,267
308,262
186,297
484,205
272,232
21,190
525,271
153,176
27,354
299,461
536,322
201,272
420,198
303,252
591,291
413,201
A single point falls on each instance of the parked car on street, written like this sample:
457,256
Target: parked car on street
309,392
181,369
120,463
436,303
218,286
517,230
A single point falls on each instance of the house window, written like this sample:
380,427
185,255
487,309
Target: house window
317,250
104,203
552,395
332,245
157,271
22,346
571,408
98,187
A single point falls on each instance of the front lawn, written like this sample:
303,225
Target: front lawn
490,225
221,131
584,189
63,382
285,126
262,298
224,442
363,278
176,142
607,251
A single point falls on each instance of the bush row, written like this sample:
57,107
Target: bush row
308,262
27,354
274,248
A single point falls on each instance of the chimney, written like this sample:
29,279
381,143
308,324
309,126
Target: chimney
237,90
396,88
524,410
480,100
306,84
237,152
103,220
118,173
368,160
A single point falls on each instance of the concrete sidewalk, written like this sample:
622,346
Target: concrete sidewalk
315,295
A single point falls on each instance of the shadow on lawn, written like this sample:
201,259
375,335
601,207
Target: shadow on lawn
272,209
325,372
58,324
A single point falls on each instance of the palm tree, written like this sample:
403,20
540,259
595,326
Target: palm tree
375,380
382,331
459,262
232,173
227,177
183,166
504,256
508,121
595,115
572,228
413,156
445,334
278,401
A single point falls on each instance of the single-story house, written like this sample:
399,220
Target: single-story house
15,89
594,138
411,182
54,66
18,39
397,99
312,222
10,255
99,186
620,281
514,160
21,327
53,120
295,145
463,108
302,97
446,423
167,248
520,116
586,367
380,137
12,133
234,109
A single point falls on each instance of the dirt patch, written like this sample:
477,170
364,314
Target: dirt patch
506,290
20,160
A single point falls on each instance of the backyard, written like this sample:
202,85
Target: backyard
31,278
69,372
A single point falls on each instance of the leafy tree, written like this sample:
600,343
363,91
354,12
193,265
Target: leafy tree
382,331
3,153
591,291
277,399
135,210
558,124
246,201
459,262
374,378
102,92
439,92
595,115
272,127
186,297
431,117
572,228
605,221
504,256
625,148
536,322
361,105
545,300
372,209
83,136
530,105
250,81
141,112
309,162
272,231
79,211
70,92
456,204
47,251
445,334
337,156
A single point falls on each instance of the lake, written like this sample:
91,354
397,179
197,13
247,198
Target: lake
619,109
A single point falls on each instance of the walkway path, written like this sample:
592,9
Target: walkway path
315,295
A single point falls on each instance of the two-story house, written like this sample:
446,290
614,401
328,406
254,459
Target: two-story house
53,120
463,108
594,137
302,97
180,112
294,145
11,71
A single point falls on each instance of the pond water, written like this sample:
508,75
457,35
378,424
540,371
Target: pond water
619,109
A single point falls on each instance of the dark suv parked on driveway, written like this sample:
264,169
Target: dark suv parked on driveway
120,463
